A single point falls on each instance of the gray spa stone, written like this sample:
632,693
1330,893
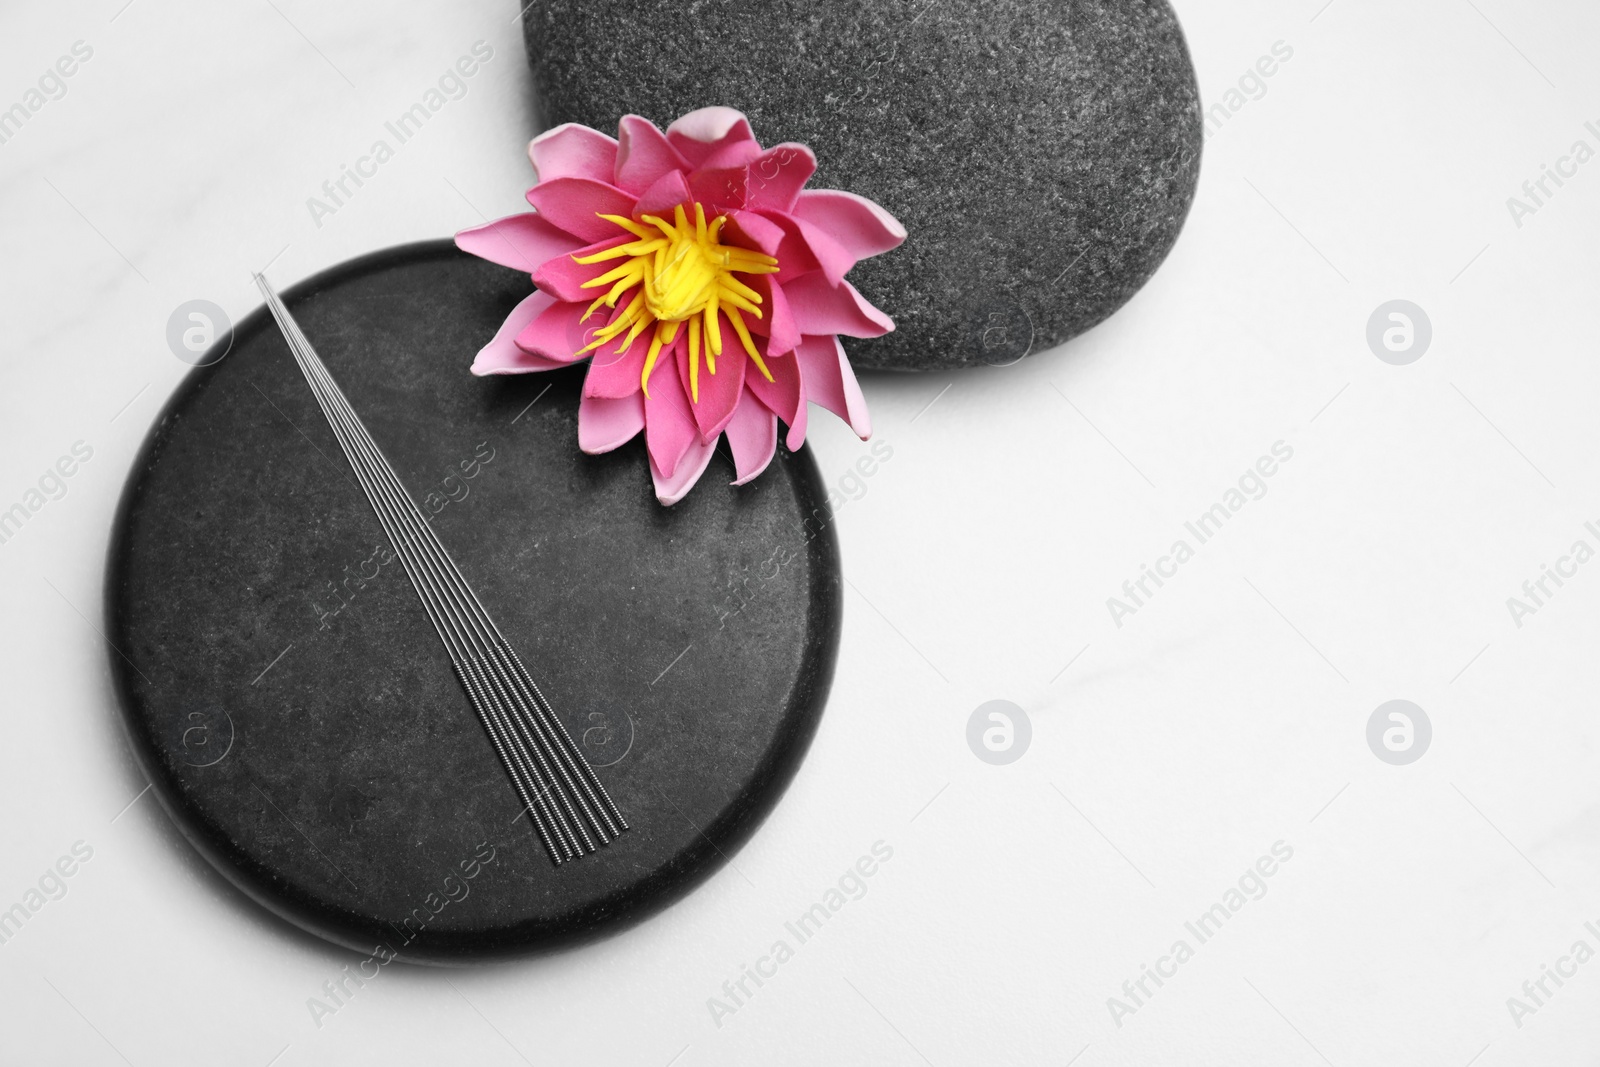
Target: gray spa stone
295,710
1042,153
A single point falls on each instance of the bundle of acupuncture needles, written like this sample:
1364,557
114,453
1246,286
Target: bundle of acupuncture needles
563,797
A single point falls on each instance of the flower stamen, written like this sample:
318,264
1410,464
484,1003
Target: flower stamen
682,273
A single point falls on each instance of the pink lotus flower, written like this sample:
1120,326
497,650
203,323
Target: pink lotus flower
702,277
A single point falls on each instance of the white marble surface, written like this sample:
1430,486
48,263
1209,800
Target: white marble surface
1168,753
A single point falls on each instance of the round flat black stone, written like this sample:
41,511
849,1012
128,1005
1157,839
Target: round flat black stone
295,709
1042,156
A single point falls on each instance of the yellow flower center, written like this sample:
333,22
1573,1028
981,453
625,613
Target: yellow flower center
684,273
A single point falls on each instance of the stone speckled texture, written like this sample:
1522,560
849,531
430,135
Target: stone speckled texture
1042,153
337,774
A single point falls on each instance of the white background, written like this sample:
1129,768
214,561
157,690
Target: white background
1168,753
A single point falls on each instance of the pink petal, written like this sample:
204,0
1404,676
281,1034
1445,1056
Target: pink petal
555,333
610,369
746,229
831,382
643,154
719,392
794,254
614,375
854,221
822,308
573,151
674,487
667,193
700,134
778,175
807,248
563,277
753,436
785,395
604,423
834,258
777,322
501,355
576,204
736,154
669,427
726,188
523,242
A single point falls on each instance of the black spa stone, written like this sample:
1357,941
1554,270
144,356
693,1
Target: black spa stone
297,713
1042,153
